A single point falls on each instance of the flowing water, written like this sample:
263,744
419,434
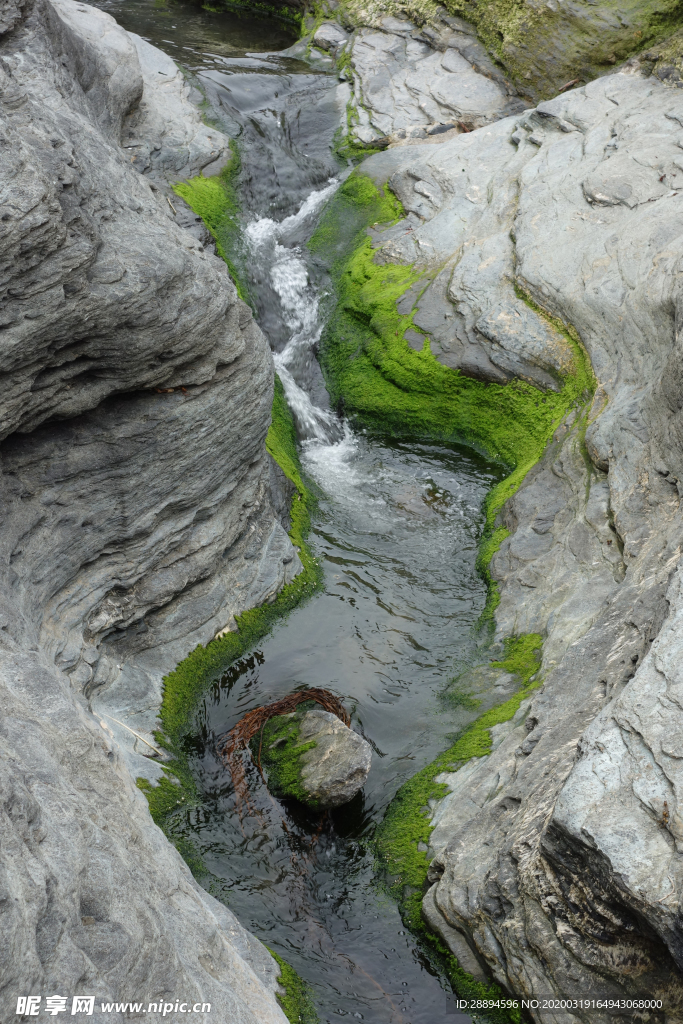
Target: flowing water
396,533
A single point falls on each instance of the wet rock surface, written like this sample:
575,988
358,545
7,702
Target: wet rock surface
137,517
555,868
315,757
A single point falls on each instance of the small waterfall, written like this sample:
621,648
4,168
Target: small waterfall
299,303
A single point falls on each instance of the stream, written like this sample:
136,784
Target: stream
397,533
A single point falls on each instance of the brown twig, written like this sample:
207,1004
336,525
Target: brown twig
568,85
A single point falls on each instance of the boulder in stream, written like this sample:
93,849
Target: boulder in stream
313,756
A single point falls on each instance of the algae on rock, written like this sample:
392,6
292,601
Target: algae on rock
376,376
542,47
313,756
184,686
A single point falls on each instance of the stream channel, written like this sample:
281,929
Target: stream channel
396,532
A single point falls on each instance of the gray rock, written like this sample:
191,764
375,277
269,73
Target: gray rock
519,336
555,856
330,36
406,79
330,772
336,768
137,518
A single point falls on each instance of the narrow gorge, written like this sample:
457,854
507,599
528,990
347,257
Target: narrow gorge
342,352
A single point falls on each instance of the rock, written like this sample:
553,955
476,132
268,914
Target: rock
555,865
519,336
543,48
330,769
330,36
404,79
137,518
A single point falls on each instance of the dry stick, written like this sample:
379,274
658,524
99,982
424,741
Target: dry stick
112,719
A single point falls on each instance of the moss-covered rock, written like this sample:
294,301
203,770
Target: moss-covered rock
542,46
312,756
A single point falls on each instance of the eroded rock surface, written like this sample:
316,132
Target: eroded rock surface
406,80
555,867
542,47
136,513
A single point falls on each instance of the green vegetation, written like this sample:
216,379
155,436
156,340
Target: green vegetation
280,752
282,12
564,47
184,686
407,821
375,376
544,47
296,1003
216,201
459,699
345,146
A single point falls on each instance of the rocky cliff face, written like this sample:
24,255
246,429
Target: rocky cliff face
556,858
136,512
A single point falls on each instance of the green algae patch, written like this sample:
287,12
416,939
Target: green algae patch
296,1003
404,833
278,749
216,201
183,687
374,376
283,12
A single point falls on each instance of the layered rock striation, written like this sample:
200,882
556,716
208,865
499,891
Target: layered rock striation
410,82
137,517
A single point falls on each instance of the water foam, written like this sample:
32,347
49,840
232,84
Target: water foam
300,311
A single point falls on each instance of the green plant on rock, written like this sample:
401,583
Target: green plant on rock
183,687
403,836
545,47
296,1003
216,201
283,12
375,376
279,751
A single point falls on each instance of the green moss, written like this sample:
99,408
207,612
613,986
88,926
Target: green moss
456,699
407,821
545,47
216,201
282,12
281,752
375,376
296,1003
345,146
183,687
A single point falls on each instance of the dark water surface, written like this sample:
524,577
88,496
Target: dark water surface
397,535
